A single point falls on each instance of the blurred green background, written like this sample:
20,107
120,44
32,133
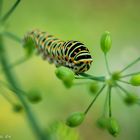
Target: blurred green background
83,20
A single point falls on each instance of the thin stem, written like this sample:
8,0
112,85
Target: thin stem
7,15
124,90
14,84
87,76
1,3
124,82
8,99
109,102
131,74
118,92
131,64
81,83
105,105
12,36
12,89
18,62
90,105
107,65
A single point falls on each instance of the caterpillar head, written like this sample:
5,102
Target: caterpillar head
82,62
80,56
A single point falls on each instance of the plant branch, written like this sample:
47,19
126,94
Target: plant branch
120,87
7,98
16,63
14,84
107,65
124,82
1,3
7,15
109,101
131,64
12,36
90,105
87,76
105,105
131,74
81,83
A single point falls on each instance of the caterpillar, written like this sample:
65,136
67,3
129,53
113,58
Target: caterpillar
71,54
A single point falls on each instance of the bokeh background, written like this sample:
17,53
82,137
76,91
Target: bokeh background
83,20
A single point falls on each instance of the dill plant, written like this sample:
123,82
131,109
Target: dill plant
68,78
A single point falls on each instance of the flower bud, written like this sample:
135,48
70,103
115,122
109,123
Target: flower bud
131,99
17,108
106,42
135,80
68,84
34,96
75,119
93,87
116,75
113,127
102,122
66,75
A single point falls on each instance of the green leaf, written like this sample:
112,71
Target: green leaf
60,131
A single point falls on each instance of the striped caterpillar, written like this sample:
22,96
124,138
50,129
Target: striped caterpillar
71,54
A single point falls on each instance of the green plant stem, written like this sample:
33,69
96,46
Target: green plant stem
1,3
87,76
131,64
124,82
109,101
105,105
7,98
14,84
12,89
90,105
107,65
12,36
7,15
131,74
124,90
81,83
119,93
16,63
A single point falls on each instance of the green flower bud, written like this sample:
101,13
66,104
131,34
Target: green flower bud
131,99
66,75
17,108
106,42
113,127
34,96
93,87
135,80
68,83
75,119
116,75
29,46
102,122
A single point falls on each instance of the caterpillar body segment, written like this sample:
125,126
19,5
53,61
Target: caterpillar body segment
71,54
